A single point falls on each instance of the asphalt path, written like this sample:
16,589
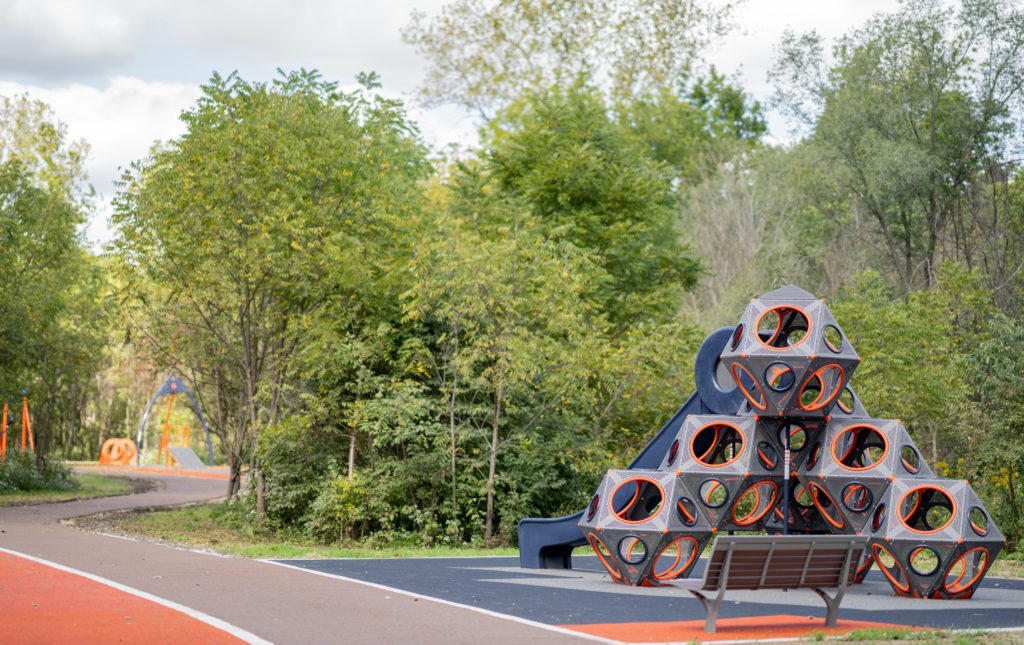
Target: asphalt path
421,600
586,594
275,603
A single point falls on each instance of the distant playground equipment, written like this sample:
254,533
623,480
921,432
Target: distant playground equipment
178,435
26,430
118,452
175,439
775,440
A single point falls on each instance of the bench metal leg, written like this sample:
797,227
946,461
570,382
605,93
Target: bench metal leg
710,608
832,604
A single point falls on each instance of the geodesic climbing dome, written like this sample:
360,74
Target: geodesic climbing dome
800,455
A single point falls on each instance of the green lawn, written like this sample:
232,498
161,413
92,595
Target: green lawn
204,527
89,485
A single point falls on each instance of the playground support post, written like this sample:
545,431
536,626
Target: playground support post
26,427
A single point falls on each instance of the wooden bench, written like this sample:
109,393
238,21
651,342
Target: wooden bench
815,562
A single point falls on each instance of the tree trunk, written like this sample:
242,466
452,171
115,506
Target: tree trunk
451,417
935,442
235,474
261,505
235,460
488,527
351,456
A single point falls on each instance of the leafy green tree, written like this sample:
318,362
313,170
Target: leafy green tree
485,55
567,161
231,231
916,103
690,128
992,422
31,136
912,348
509,302
54,316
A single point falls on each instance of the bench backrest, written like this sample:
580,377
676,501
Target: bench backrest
783,561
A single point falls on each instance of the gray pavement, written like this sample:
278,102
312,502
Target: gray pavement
279,604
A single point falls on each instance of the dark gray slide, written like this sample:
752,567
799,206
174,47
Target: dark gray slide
547,543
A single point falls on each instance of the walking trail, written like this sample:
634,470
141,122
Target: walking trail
59,584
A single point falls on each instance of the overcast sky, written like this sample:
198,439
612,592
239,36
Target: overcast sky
119,72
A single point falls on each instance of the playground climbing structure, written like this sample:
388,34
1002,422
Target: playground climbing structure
799,454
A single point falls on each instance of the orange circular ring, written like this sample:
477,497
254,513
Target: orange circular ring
737,455
739,384
813,488
613,566
778,328
839,460
750,517
956,586
904,587
815,405
899,515
675,569
636,495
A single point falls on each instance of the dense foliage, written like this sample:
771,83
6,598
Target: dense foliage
400,347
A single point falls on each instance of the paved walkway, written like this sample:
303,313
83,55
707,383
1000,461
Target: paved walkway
59,584
260,600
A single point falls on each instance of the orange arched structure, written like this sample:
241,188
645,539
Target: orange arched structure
118,452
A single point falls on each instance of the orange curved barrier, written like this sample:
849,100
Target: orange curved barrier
118,452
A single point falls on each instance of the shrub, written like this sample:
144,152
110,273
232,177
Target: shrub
23,472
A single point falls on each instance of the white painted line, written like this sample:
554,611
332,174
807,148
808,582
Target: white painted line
188,611
479,610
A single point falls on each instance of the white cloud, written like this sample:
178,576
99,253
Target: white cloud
63,39
120,123
119,72
762,24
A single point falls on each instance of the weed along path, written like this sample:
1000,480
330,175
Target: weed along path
59,584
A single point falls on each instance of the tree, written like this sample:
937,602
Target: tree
690,126
992,422
916,104
232,231
509,302
912,348
53,318
486,54
31,136
565,158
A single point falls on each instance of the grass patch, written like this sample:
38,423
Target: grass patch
87,485
889,634
207,527
1008,565
879,635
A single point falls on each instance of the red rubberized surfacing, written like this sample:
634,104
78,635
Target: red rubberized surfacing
728,629
44,605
